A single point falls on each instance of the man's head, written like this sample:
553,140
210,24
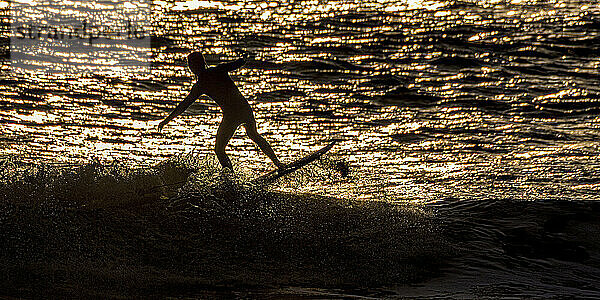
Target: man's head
196,62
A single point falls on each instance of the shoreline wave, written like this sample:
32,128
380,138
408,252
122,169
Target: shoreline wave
217,232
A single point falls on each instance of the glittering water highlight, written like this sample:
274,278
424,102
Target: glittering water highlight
435,101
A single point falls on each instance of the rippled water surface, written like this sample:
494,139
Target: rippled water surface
431,98
465,100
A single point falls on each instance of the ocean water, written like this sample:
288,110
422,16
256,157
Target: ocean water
480,115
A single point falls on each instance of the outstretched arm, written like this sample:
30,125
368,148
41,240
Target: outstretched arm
230,66
193,95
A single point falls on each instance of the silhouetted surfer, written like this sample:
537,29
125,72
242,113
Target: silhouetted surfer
216,83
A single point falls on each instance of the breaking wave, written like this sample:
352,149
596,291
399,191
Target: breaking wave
183,227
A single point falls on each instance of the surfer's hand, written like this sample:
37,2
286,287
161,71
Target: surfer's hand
161,125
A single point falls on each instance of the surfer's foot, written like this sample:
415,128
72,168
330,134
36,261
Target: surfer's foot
227,170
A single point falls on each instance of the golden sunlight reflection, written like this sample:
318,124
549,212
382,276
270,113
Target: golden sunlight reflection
429,99
195,4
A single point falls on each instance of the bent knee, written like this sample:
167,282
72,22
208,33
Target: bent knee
252,132
219,149
253,135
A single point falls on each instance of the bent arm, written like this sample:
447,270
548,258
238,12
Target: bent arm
230,66
191,97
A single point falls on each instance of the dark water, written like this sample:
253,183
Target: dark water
483,114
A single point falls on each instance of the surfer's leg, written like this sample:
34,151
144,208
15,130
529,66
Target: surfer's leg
224,134
253,134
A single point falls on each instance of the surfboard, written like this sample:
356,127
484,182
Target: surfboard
293,166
